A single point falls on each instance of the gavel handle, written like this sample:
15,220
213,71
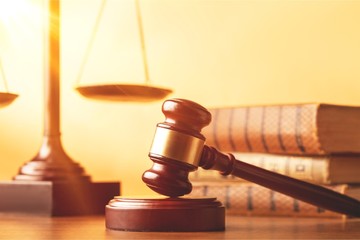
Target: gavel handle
304,191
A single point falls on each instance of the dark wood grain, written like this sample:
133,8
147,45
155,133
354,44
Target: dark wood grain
162,214
237,227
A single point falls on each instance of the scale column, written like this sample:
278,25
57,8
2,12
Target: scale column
52,163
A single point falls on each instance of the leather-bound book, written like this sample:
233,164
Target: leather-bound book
248,199
304,129
329,169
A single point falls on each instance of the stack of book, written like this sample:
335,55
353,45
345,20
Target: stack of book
318,143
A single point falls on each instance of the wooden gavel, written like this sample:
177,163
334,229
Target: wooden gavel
179,148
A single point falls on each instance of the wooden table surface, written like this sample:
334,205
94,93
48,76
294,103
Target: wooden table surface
93,227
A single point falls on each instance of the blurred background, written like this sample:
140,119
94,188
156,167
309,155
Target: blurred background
215,52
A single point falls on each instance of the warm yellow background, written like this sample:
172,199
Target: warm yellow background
217,53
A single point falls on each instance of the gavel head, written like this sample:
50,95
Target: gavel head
177,147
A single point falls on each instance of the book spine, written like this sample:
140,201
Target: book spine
254,200
272,129
311,169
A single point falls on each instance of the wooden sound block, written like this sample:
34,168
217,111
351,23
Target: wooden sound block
164,214
56,198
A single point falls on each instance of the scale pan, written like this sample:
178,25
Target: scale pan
124,92
6,98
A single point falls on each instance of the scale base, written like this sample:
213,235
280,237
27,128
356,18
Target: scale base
56,199
165,214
